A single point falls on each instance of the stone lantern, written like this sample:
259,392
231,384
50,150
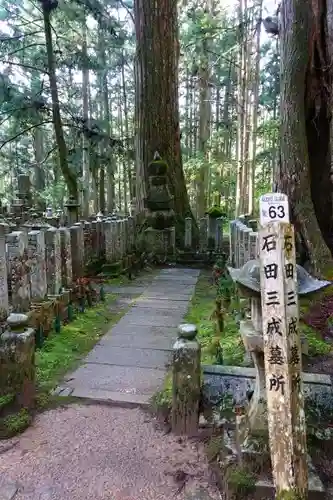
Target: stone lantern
247,279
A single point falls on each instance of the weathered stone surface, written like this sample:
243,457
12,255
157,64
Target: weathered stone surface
157,304
77,248
186,371
36,263
124,379
17,243
66,257
53,261
141,338
4,302
129,356
144,317
17,366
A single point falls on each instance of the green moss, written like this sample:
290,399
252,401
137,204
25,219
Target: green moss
241,481
6,400
200,313
163,398
317,346
290,495
62,352
15,423
215,212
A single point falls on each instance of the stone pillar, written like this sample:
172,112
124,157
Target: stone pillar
232,239
66,257
53,261
212,223
253,245
203,233
4,302
18,274
109,241
77,250
219,234
241,245
17,361
186,370
188,233
94,240
131,233
24,189
36,262
246,242
87,236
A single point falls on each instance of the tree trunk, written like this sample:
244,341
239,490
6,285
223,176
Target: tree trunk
85,142
157,114
306,80
69,176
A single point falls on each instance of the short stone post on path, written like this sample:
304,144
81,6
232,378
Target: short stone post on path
283,358
186,370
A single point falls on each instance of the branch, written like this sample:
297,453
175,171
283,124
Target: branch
24,132
127,10
22,48
46,157
10,38
27,66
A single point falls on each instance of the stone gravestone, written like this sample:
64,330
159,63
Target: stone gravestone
17,243
66,257
77,250
4,303
36,260
188,232
53,261
283,359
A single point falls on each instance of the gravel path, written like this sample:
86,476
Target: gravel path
98,452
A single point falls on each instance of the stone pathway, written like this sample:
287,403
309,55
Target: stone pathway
129,363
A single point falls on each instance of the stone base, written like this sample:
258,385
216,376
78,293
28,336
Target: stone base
17,367
42,314
160,242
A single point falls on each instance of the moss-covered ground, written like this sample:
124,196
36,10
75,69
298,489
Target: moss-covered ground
201,314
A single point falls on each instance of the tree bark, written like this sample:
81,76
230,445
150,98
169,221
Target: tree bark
157,111
69,176
306,80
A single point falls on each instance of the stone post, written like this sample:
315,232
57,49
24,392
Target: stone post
24,189
17,361
18,274
203,233
188,233
253,244
219,234
232,238
66,257
109,239
53,261
4,303
87,236
246,242
131,233
72,211
77,250
283,360
186,370
36,262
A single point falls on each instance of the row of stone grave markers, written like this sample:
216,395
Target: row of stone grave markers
210,234
243,241
38,259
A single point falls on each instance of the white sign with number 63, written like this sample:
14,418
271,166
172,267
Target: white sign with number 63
273,207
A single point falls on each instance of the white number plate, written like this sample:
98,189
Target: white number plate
273,207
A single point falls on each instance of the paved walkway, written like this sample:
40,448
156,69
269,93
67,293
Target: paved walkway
129,363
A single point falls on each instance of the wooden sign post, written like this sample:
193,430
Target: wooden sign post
283,358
